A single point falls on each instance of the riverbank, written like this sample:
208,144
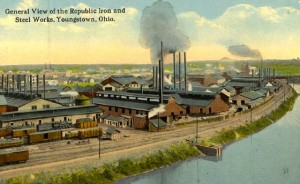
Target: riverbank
104,174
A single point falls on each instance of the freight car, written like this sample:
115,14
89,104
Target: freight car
45,136
71,135
4,132
85,123
20,132
7,143
89,133
9,156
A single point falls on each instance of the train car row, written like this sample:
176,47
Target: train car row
12,156
17,132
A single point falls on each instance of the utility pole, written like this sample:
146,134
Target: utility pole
99,136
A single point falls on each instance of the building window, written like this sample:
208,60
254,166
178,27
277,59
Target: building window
46,136
109,108
34,107
129,111
40,122
116,109
52,119
201,110
65,118
46,106
137,112
123,110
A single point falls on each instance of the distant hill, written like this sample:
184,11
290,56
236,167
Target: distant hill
226,59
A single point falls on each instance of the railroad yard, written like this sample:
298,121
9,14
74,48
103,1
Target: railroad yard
73,154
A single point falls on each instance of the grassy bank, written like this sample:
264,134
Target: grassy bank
230,135
111,172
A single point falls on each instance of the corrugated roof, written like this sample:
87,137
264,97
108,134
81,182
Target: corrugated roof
252,95
114,118
45,113
158,122
125,104
112,130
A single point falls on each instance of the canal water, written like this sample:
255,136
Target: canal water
271,156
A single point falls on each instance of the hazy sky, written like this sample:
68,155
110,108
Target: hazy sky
270,26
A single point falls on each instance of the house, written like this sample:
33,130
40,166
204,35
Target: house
112,133
20,104
122,82
116,121
3,104
39,116
136,107
201,103
249,99
157,125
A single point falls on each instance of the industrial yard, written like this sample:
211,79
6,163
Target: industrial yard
60,155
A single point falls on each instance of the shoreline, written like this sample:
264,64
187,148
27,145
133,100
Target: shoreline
214,134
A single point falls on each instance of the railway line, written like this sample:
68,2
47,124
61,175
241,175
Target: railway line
60,151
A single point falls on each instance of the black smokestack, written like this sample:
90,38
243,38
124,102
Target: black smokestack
156,77
37,85
44,84
25,84
13,83
161,93
159,23
185,83
153,75
7,85
179,68
174,70
162,65
30,80
2,82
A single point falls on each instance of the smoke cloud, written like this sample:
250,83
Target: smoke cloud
244,51
159,24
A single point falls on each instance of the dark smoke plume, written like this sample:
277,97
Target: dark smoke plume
159,23
244,51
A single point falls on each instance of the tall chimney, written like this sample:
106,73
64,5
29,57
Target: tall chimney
2,82
185,83
162,65
161,93
156,77
37,85
153,74
25,84
7,86
179,68
30,80
274,74
13,83
174,70
44,84
252,71
19,83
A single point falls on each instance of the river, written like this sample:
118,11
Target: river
271,156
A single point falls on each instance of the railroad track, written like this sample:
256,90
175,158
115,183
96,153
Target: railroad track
60,150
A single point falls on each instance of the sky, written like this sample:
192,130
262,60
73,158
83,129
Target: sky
271,27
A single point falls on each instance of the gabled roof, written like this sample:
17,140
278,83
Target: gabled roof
19,102
112,130
158,122
115,118
48,113
229,88
252,95
128,104
3,100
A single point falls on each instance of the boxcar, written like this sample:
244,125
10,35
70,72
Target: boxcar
89,133
4,132
71,135
44,136
7,143
23,131
13,156
85,123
